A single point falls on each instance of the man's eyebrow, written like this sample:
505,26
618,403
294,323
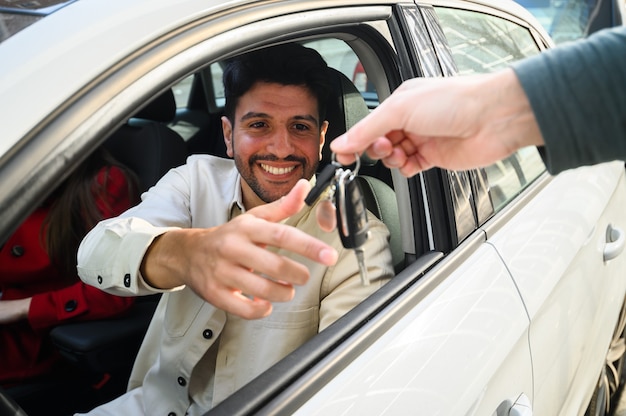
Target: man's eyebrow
307,117
252,114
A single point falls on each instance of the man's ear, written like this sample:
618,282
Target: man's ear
227,129
323,130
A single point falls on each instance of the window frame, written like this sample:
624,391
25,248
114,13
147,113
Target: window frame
451,215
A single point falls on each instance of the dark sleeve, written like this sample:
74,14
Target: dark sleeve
81,302
578,95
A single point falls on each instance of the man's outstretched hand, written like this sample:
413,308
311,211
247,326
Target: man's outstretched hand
229,266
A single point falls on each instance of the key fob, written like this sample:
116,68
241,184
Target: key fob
351,213
324,179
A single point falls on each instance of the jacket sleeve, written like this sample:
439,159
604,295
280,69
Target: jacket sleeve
583,112
110,255
81,302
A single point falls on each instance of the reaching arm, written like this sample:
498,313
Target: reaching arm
225,264
571,98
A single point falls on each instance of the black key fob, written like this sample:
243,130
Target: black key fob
324,179
351,213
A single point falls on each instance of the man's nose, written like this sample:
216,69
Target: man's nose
281,144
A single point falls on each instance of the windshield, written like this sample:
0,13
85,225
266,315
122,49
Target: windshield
567,20
15,15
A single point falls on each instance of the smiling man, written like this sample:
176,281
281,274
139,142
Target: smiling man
246,272
278,140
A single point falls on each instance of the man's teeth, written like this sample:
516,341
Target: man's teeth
277,171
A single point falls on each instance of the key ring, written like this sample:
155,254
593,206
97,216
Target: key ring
339,165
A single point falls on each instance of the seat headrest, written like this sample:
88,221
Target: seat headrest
345,108
162,108
145,143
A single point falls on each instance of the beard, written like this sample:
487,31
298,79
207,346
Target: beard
266,194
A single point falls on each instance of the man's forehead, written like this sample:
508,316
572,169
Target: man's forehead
270,100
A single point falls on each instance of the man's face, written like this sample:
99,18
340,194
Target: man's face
275,141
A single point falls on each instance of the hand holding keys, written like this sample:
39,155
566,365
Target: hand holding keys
347,198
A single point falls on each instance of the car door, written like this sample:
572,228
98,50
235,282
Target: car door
554,246
556,249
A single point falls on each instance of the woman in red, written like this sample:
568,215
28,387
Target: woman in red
39,286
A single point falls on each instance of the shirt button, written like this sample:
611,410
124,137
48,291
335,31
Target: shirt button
127,280
70,305
207,334
100,279
182,381
17,251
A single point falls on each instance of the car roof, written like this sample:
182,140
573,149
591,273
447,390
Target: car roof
45,72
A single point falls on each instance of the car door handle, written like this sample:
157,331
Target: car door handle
521,407
615,242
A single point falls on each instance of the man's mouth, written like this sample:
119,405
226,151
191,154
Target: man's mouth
277,170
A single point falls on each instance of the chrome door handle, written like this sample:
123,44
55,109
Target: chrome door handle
615,242
521,407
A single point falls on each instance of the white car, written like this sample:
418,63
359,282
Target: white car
510,285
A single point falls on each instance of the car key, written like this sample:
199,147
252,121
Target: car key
324,179
352,217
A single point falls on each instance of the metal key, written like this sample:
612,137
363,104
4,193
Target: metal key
352,217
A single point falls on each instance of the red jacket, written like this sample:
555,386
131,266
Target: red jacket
25,270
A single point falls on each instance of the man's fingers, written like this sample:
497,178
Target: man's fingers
237,303
290,238
255,260
258,284
326,215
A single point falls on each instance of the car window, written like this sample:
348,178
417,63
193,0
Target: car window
484,43
182,91
340,56
510,176
567,20
11,23
15,16
218,85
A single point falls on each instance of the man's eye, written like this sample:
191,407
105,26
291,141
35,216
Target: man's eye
257,125
301,127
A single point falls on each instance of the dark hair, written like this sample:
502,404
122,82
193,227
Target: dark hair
73,211
286,64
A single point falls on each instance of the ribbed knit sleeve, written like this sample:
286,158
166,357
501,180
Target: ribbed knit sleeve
578,94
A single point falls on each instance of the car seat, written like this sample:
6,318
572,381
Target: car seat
344,109
146,144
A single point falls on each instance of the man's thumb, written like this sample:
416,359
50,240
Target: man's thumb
286,206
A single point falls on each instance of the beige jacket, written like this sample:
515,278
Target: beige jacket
195,355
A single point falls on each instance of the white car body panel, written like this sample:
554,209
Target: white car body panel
426,364
554,249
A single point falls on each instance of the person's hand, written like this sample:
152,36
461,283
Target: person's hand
229,266
455,123
14,310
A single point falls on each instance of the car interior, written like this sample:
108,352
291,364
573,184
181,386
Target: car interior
158,137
